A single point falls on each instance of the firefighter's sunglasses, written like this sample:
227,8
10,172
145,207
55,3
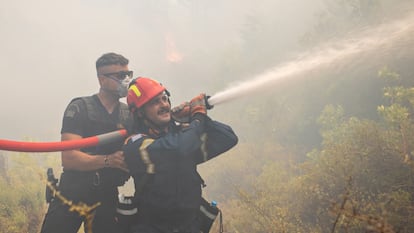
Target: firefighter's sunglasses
121,75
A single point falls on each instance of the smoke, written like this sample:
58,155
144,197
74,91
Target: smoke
392,36
49,49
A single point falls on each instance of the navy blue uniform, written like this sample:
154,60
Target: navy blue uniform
164,168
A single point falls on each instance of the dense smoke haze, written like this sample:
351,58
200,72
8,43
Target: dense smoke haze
49,49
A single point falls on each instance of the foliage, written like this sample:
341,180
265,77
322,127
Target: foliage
341,16
22,197
359,180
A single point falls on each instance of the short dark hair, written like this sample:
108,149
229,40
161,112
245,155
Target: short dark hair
111,59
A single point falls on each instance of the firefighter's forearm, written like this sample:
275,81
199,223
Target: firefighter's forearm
78,160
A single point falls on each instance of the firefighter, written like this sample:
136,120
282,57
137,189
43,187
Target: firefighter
92,175
162,157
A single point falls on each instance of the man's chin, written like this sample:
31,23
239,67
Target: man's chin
165,120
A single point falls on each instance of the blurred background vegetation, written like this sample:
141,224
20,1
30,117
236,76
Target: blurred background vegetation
332,153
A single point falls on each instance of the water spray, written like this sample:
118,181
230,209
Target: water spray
380,38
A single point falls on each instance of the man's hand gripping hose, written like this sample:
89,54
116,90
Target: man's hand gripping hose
183,112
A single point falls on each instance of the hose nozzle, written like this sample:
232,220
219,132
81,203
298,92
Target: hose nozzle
208,105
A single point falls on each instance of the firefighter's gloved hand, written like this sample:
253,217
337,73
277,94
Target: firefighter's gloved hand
181,113
198,105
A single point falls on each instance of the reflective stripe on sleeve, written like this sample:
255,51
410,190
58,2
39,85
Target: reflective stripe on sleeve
206,213
127,212
203,148
145,156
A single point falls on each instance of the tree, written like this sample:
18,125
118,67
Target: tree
360,179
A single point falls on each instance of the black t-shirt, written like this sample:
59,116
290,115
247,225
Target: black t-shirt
87,117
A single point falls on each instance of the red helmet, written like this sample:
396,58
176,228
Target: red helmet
141,90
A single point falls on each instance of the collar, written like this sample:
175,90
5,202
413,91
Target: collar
154,133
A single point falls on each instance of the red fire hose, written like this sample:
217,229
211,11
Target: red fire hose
63,145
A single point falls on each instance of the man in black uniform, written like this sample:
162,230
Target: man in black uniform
92,175
162,157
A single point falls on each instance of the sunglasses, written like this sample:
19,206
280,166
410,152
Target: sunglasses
121,75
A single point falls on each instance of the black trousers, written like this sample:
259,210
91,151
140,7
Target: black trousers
59,218
147,224
153,228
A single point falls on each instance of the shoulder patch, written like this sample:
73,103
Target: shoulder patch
71,110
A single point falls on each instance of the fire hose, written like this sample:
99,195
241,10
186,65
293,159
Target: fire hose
63,145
